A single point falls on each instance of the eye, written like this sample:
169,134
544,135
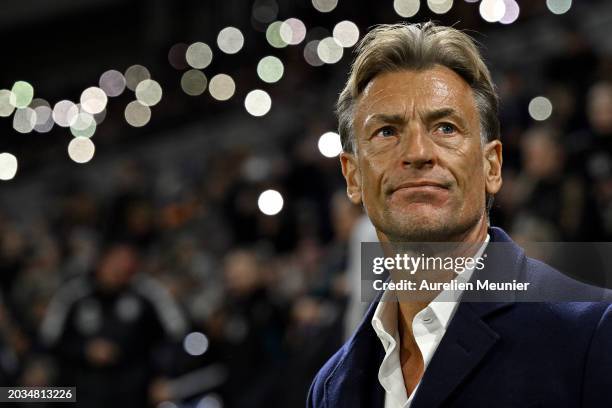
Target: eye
446,128
386,131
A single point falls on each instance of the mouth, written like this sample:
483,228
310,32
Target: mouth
421,185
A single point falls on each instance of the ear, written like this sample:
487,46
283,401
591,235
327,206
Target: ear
493,159
350,171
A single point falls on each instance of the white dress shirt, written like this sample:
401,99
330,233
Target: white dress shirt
428,327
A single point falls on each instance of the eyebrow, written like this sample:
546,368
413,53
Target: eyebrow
400,119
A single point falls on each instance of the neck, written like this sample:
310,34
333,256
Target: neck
407,310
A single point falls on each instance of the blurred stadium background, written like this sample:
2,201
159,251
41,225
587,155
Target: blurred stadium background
198,250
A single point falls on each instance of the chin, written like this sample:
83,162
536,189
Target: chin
421,225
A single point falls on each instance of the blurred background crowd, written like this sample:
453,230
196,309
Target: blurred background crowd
157,274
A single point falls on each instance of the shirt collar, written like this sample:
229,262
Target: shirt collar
384,320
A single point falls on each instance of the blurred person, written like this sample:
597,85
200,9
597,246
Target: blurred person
249,327
103,330
418,119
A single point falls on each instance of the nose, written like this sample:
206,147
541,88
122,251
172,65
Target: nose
417,148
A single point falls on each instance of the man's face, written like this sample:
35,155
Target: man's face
420,168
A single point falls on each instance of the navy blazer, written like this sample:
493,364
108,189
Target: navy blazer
503,354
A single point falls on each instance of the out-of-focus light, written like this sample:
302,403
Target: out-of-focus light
270,202
84,125
199,55
230,40
21,94
193,82
65,113
44,119
406,8
273,35
93,100
135,75
270,69
24,120
440,6
471,1
559,6
492,10
329,144
512,12
258,102
81,149
149,92
221,87
137,114
210,401
292,31
265,11
112,82
329,51
195,343
176,56
6,107
311,55
324,6
8,166
540,108
346,33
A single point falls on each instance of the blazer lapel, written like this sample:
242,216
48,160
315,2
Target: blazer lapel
469,338
354,382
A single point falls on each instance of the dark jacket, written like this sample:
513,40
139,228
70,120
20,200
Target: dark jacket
493,354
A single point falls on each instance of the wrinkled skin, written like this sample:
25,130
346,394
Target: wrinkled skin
420,168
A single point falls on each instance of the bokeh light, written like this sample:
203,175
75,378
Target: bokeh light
24,120
270,69
540,108
406,8
221,87
258,102
199,55
193,82
346,33
81,149
8,166
329,144
135,75
195,343
112,82
44,118
6,107
230,40
273,35
329,51
292,31
440,6
512,12
176,56
324,6
21,94
137,114
210,401
492,10
65,113
311,55
559,6
149,92
84,125
270,202
265,11
93,100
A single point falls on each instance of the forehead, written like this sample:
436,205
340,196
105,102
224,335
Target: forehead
399,92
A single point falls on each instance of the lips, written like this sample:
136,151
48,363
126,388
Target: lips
420,184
